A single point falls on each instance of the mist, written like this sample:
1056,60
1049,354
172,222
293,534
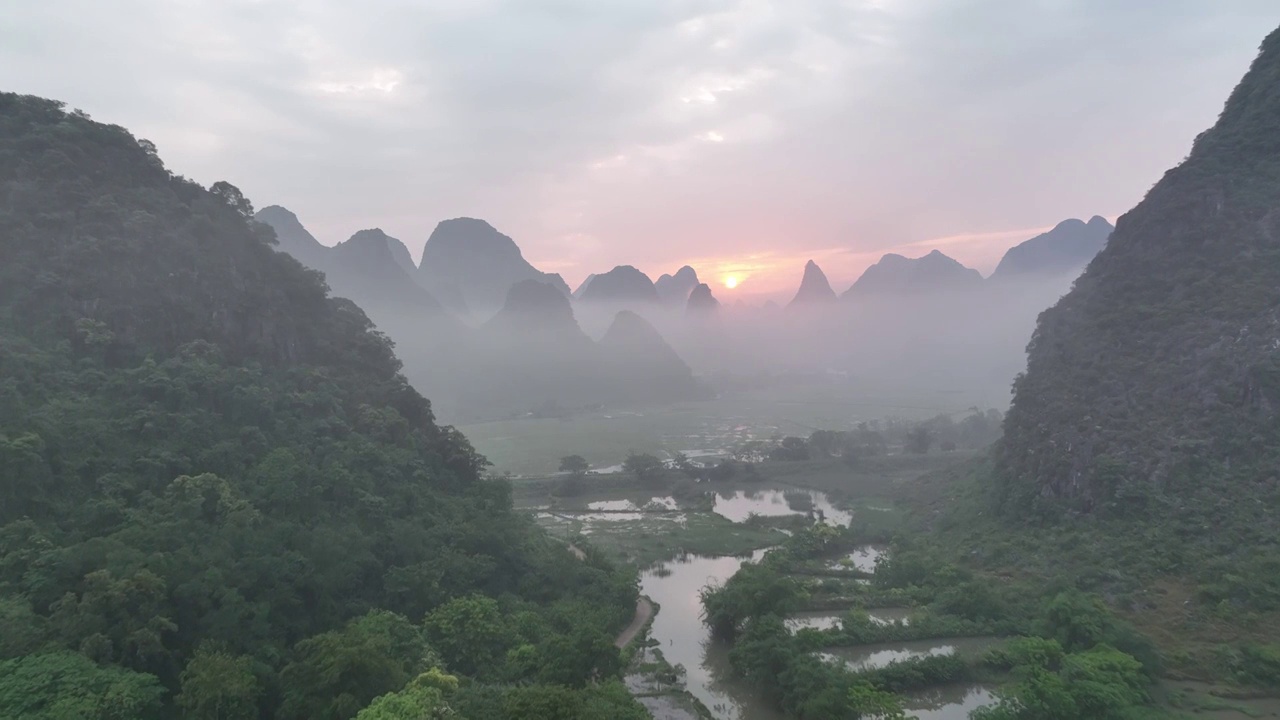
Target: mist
511,341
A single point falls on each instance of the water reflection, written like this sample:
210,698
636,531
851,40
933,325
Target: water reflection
685,640
742,504
863,558
609,516
817,620
665,502
868,657
948,702
830,619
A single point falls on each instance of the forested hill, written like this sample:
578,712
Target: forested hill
1153,387
218,495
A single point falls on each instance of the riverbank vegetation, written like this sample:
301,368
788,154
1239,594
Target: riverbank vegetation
1057,636
1196,581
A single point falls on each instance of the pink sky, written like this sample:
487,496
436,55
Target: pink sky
733,135
774,275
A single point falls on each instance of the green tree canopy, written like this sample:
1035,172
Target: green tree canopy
62,685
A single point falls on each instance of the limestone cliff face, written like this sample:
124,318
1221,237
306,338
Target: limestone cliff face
1160,370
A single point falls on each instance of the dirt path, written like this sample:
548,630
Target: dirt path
644,610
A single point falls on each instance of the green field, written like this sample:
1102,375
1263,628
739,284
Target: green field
533,446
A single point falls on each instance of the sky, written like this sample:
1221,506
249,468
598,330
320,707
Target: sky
743,137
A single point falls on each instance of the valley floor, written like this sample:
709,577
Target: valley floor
712,528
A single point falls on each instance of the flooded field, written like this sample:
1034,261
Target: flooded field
665,502
740,505
948,702
827,619
863,559
868,657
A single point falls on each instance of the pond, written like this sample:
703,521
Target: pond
863,558
868,657
742,504
948,702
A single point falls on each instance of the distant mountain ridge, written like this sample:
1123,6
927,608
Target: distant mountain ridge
530,353
1068,247
368,267
646,367
897,274
293,238
534,353
675,289
577,293
468,258
623,284
536,307
701,301
814,289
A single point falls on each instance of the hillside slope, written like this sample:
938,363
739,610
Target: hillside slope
1154,385
218,495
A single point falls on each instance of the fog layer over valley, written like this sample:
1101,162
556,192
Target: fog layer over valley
486,335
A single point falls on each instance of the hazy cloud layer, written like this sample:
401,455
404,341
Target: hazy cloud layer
743,134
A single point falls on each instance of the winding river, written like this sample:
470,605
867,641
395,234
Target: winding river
684,640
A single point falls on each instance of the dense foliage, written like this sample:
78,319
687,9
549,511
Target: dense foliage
218,496
1059,637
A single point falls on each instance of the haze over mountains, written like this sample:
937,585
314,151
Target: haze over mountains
622,285
481,328
675,289
1068,247
897,274
469,260
528,353
814,287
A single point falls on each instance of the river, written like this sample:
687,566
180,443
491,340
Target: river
686,641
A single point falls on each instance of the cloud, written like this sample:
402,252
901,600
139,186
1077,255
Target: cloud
648,131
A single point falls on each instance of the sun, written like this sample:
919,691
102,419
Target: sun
731,282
